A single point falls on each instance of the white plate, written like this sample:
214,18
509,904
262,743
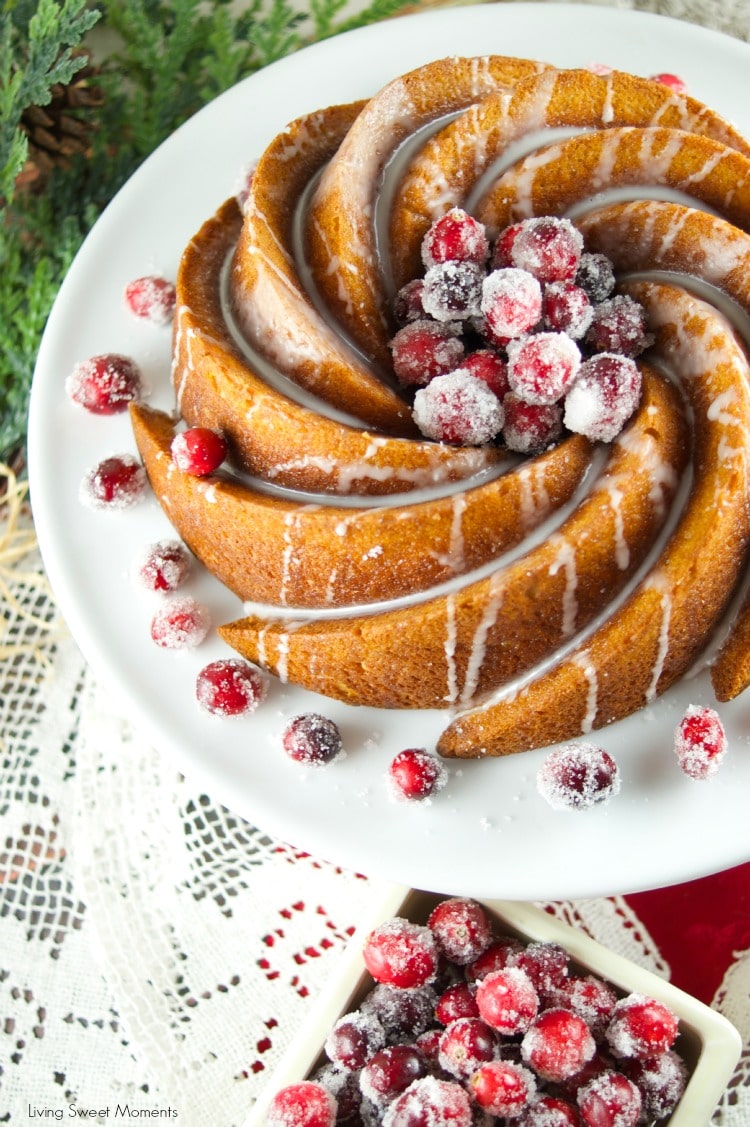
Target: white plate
488,833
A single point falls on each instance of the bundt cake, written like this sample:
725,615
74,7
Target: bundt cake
465,473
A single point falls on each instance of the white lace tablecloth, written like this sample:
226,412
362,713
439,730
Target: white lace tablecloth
157,953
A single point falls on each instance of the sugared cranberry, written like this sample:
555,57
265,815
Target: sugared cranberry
507,1000
557,1045
498,956
549,248
549,1111
456,1001
455,236
163,566
230,687
641,1027
661,1082
595,276
604,396
428,1044
389,1071
503,248
354,1038
423,350
430,1102
114,483
503,1088
458,408
106,384
700,742
567,309
416,775
488,365
466,1044
344,1087
673,81
461,928
618,325
307,1104
541,368
402,1011
152,298
589,997
577,776
198,451
610,1100
401,953
530,428
312,739
180,624
545,963
511,302
453,291
407,305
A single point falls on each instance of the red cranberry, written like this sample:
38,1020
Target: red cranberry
198,451
503,1088
466,1044
424,349
604,396
307,1104
115,483
577,776
389,1071
530,428
498,956
503,249
456,1001
618,325
416,775
312,739
549,1111
344,1087
453,290
461,928
455,236
557,1045
511,302
401,953
105,384
589,997
541,368
428,1044
403,1012
151,298
180,624
595,276
230,687
507,1000
700,742
673,81
488,365
164,566
430,1102
548,248
458,408
661,1082
641,1027
545,963
355,1037
407,305
566,309
610,1100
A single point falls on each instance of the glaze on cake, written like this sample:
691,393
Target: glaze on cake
534,599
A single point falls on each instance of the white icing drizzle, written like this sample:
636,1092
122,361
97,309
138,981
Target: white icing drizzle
658,583
588,669
566,561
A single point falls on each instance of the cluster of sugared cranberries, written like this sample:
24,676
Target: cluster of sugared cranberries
463,1025
513,343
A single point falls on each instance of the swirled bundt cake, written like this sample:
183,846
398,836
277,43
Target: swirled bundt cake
487,422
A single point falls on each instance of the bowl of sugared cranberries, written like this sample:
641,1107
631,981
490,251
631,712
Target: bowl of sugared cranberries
451,1012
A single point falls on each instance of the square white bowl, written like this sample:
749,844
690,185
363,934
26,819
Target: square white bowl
709,1044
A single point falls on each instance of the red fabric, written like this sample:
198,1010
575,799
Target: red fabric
698,927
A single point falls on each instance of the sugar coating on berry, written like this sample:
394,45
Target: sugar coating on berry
567,309
415,775
403,1011
604,396
610,1100
458,1000
461,928
466,1044
488,365
503,248
589,997
578,776
230,687
557,1044
507,1000
113,484
595,275
307,1104
407,304
503,1088
530,428
181,623
549,1111
401,953
542,368
152,298
105,384
545,963
430,1101
354,1038
618,324
162,566
312,739
453,290
548,247
389,1071
425,349
700,742
641,1027
498,956
511,302
455,236
344,1087
661,1081
458,408
198,451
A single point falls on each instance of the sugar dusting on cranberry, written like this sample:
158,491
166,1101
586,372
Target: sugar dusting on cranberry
162,566
401,953
511,301
458,408
503,1088
198,451
181,623
152,298
641,1027
230,687
354,1038
416,775
113,484
424,349
307,1104
312,739
530,428
604,396
700,742
549,248
430,1102
105,384
578,776
541,368
457,237
610,1100
618,324
557,1044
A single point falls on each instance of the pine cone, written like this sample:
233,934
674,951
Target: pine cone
63,128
